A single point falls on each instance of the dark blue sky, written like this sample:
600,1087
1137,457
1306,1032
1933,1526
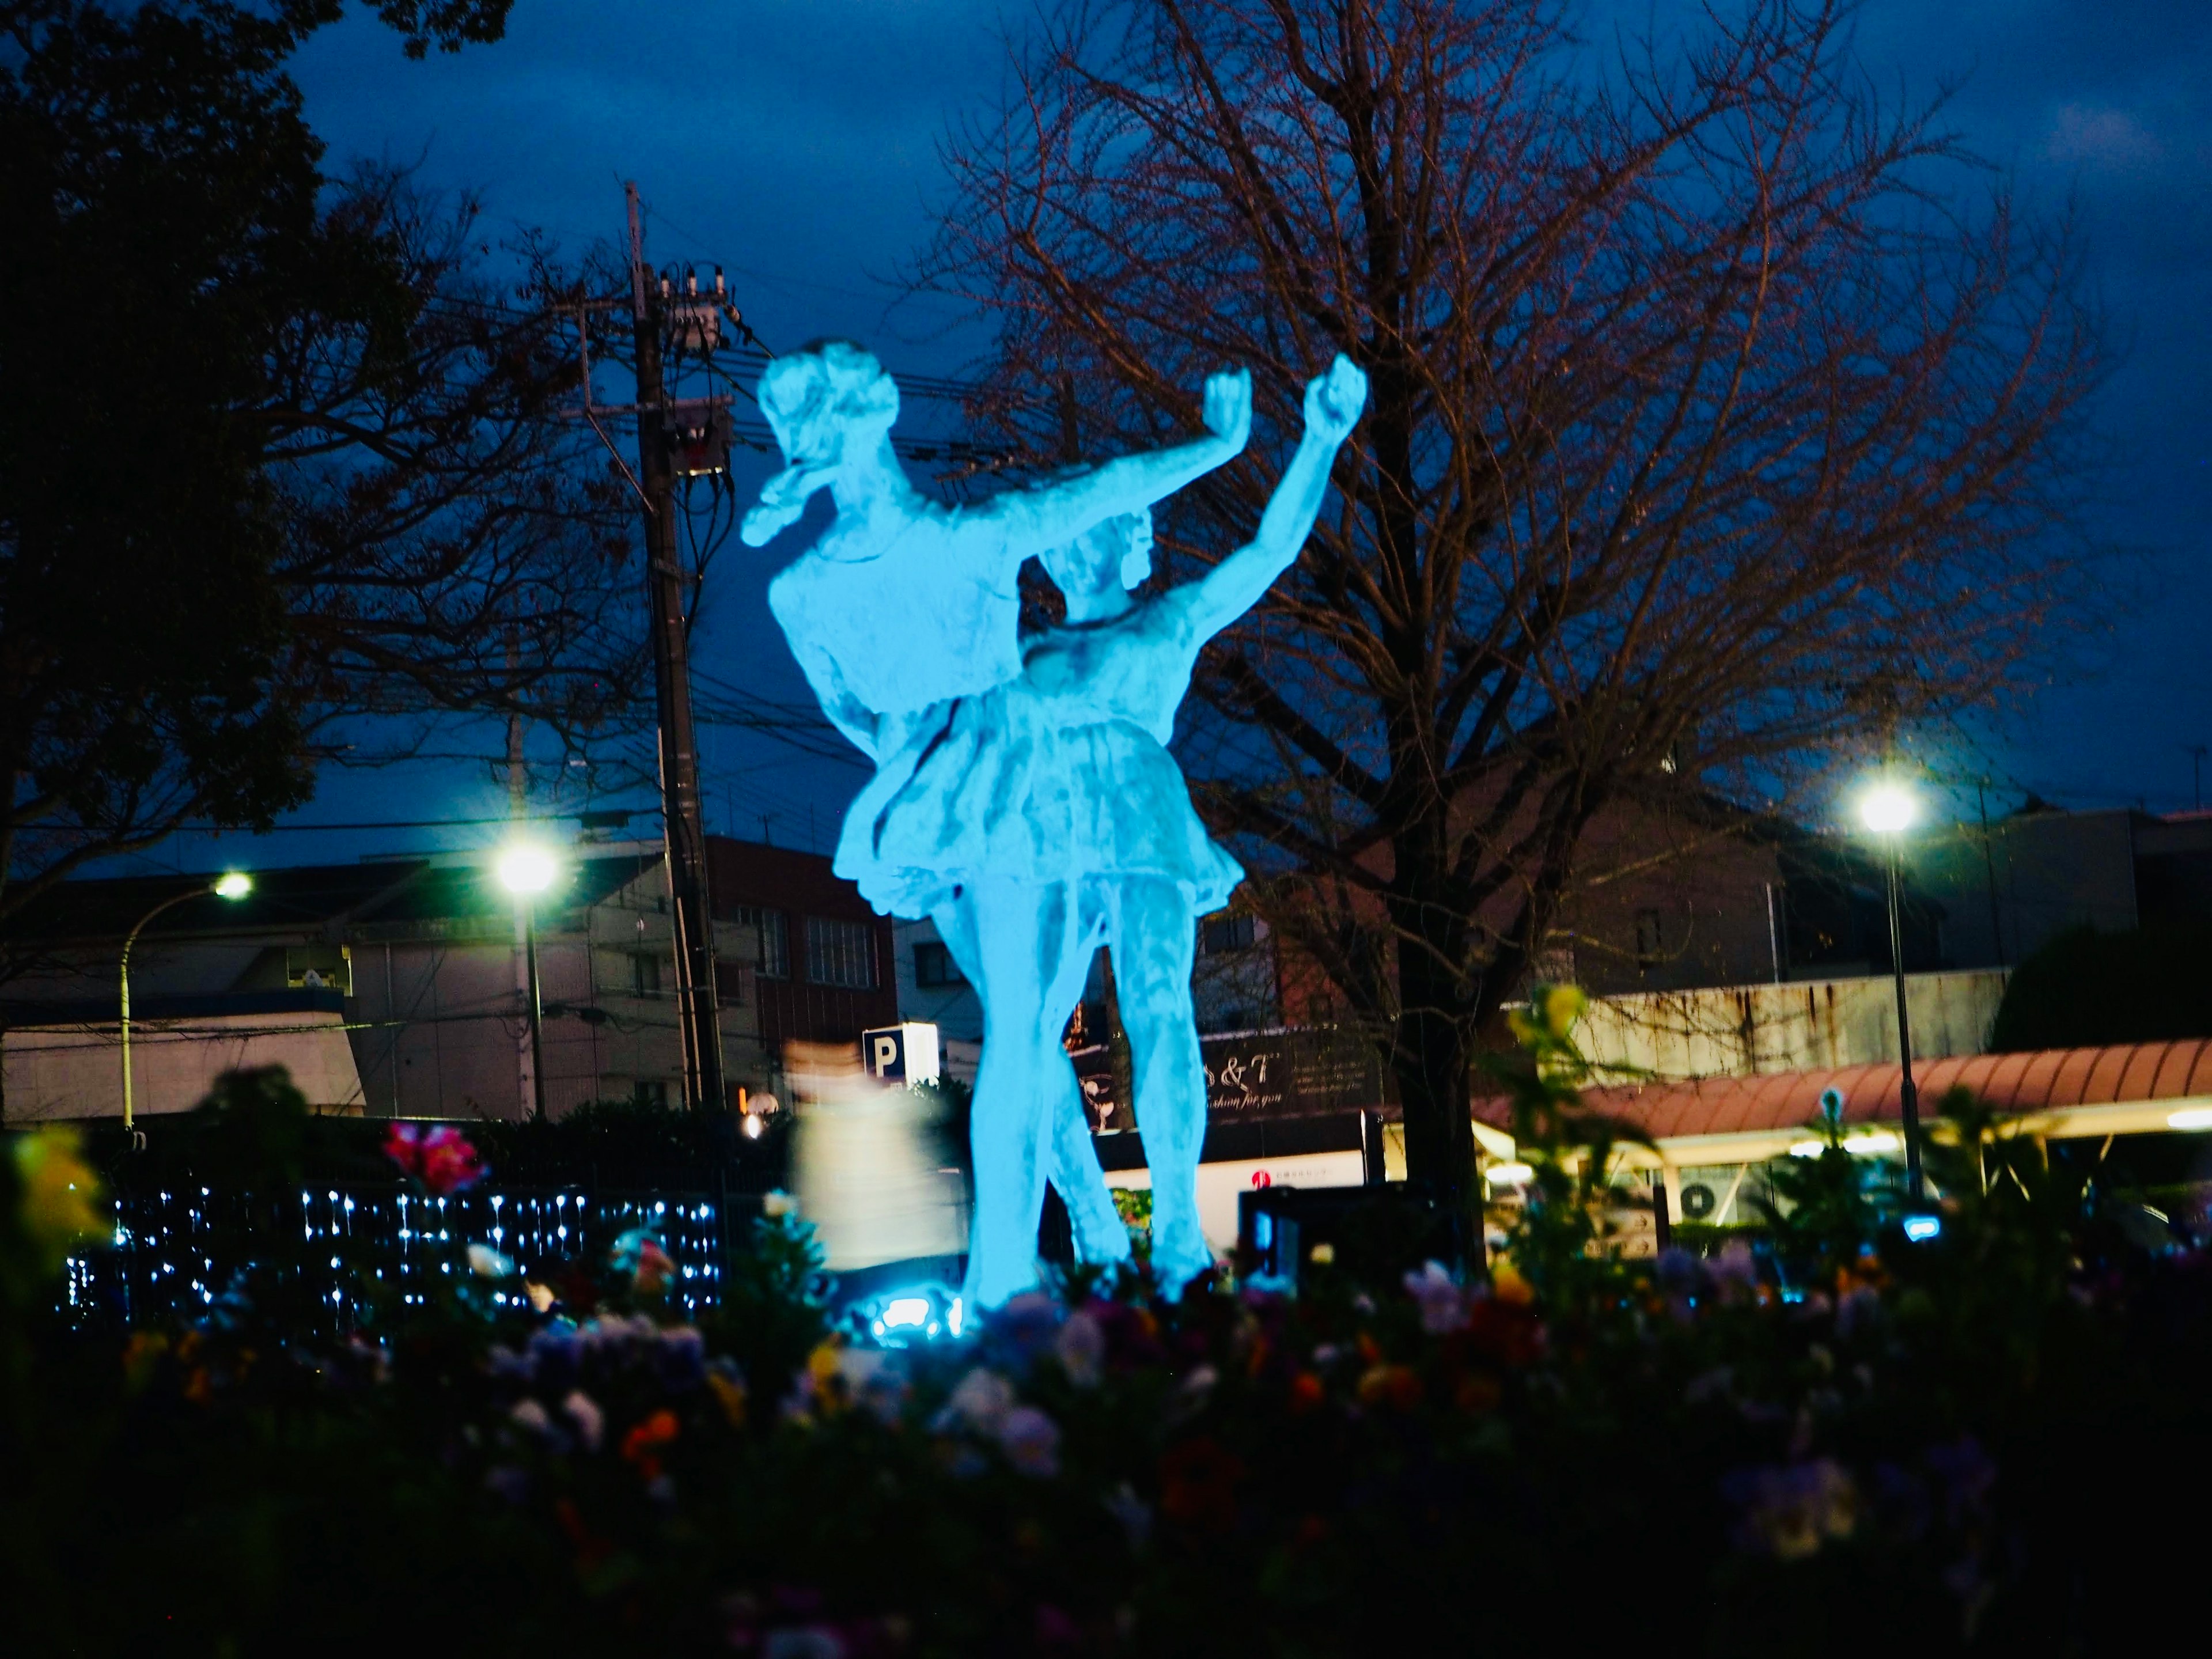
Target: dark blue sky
794,141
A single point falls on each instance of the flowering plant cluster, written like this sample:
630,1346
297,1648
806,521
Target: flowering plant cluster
439,1157
1828,1439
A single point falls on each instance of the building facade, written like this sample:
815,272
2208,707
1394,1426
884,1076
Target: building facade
389,987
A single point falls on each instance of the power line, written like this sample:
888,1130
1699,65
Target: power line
207,826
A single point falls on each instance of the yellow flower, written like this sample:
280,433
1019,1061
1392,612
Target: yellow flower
729,1395
1562,1005
141,1357
1507,1285
60,1192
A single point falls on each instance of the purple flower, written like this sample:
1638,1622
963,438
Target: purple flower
1735,1271
1964,1475
1027,1326
555,1354
1080,1348
1788,1510
1030,1441
1443,1303
681,1356
1677,1271
1861,1310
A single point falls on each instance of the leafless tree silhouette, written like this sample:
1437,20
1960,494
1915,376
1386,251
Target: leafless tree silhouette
1723,415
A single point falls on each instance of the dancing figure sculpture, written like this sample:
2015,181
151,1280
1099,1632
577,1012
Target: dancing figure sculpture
1053,804
906,610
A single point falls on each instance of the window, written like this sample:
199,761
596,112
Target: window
650,1092
934,965
318,968
645,973
841,953
775,960
1226,932
1650,945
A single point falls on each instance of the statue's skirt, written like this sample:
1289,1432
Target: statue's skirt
987,786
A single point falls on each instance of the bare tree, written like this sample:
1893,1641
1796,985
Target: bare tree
456,538
280,478
1710,433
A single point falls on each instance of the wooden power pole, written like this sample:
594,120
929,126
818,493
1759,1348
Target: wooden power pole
682,822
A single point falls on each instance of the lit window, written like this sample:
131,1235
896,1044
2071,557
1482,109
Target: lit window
841,953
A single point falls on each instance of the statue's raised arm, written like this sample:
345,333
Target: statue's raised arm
1333,401
1050,515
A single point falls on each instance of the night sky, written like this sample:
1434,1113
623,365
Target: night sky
794,141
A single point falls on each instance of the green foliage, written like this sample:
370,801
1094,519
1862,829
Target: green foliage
1827,1209
1559,1244
2084,988
1892,1448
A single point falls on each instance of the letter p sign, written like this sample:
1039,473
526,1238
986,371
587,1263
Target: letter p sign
900,1054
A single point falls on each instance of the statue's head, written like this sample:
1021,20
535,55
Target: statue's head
827,400
1117,552
831,405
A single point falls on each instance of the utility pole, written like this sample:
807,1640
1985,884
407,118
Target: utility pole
527,1047
682,823
1989,870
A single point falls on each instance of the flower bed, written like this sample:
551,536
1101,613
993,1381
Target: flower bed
1842,1441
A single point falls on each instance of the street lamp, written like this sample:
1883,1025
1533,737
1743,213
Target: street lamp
1888,809
232,884
526,871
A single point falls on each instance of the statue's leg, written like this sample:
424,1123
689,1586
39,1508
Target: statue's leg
1154,938
1071,1159
1100,1235
1021,935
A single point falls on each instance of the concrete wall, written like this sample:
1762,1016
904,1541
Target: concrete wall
1742,1029
71,1072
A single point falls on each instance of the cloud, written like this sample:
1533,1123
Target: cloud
2095,135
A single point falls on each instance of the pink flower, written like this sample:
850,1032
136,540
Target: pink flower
1030,1441
1443,1304
442,1158
584,1412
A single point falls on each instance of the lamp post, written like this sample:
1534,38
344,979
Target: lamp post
525,871
1888,809
233,885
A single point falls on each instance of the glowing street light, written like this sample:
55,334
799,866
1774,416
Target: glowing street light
1889,809
526,870
232,884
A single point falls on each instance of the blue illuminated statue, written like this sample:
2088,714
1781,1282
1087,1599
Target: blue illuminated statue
1024,796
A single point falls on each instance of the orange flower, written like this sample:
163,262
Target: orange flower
729,1395
1478,1391
1396,1386
140,1356
1198,1484
638,1444
1508,1287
